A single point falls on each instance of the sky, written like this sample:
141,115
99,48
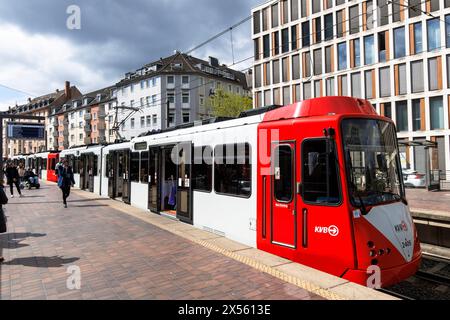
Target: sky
38,52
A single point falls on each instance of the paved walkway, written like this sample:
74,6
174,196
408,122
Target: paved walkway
120,257
423,200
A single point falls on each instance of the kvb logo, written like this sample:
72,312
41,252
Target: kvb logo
331,230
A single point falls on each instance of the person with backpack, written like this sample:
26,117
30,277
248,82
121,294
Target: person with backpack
65,180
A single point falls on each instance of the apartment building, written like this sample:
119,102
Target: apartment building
39,106
81,121
393,53
172,91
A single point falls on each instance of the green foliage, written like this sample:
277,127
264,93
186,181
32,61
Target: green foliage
228,104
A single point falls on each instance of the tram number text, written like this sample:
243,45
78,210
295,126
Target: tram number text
406,244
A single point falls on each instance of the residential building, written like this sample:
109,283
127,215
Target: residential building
393,53
172,91
39,106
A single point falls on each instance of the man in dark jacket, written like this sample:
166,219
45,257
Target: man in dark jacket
12,175
65,180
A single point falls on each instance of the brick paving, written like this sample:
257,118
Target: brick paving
120,257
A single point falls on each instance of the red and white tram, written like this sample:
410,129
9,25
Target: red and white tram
318,182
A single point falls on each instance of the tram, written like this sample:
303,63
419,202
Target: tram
317,182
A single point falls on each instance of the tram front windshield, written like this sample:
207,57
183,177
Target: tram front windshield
372,160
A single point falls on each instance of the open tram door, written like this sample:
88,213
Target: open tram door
154,173
184,187
89,166
82,166
124,163
111,174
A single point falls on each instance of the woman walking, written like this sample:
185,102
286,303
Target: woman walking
3,201
12,174
65,180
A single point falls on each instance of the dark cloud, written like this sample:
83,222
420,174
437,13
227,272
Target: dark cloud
140,30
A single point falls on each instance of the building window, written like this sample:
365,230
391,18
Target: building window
433,32
257,49
294,37
285,40
304,8
437,113
202,169
368,80
149,121
388,110
132,123
401,76
318,26
185,79
266,73
315,6
285,65
275,71
328,26
417,83
385,82
276,96
330,87
305,34
186,117
155,119
356,53
294,10
306,90
257,22
344,85
232,170
317,88
143,82
369,15
342,56
382,47
401,109
328,59
185,98
317,62
434,5
286,95
265,19
418,43
414,8
435,73
356,84
369,50
340,23
170,79
307,64
383,12
354,19
266,46
258,75
297,91
285,8
267,98
399,43
275,15
142,122
417,115
447,31
295,67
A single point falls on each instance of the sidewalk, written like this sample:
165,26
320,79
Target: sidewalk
423,201
120,257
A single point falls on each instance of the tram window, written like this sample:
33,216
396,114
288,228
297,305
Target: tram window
134,170
232,170
202,169
283,173
44,164
144,167
108,165
320,173
76,166
95,169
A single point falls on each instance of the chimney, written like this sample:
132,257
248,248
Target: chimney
29,99
67,91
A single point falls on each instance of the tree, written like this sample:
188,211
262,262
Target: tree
228,104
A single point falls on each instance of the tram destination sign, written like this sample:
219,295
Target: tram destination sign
26,131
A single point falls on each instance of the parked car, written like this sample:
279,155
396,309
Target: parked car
413,179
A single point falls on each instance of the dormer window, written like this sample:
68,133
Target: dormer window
177,65
86,101
99,97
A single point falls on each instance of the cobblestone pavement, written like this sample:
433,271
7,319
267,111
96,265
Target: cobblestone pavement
119,256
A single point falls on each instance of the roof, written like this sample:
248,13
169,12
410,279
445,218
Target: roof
181,63
105,96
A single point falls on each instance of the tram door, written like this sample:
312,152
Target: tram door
184,187
283,194
110,172
90,172
124,158
154,194
82,168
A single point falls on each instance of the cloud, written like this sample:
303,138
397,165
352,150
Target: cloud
39,53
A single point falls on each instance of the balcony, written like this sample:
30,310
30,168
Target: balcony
87,128
101,126
87,140
66,132
101,114
66,144
87,116
55,134
55,145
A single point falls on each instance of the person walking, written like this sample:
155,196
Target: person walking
65,180
12,175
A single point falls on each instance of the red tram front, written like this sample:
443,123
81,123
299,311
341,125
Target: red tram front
331,194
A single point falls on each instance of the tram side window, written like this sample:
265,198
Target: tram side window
320,173
144,167
76,166
44,164
134,172
95,169
232,170
108,165
202,169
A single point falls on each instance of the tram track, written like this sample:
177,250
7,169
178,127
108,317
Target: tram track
431,282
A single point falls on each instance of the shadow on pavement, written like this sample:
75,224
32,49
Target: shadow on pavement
41,262
12,240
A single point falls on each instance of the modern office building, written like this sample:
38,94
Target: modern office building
395,53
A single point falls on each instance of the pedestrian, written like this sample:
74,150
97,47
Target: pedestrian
21,170
3,201
12,174
65,180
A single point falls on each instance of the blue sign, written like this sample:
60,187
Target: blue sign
26,131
